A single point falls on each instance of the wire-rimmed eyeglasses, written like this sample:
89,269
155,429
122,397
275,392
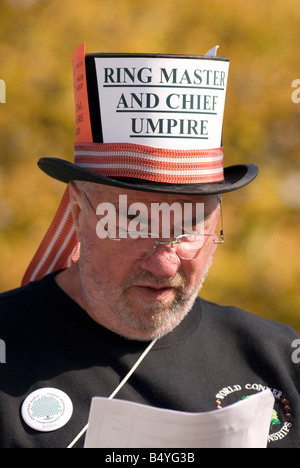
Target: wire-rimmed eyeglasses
143,244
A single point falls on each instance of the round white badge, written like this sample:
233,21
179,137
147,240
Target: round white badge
47,409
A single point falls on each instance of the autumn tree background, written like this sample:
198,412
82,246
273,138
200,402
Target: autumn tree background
258,267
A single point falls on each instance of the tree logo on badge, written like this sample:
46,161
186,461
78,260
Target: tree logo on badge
47,409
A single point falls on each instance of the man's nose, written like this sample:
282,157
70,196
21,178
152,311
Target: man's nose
163,263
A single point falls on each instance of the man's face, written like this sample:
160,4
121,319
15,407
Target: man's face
139,298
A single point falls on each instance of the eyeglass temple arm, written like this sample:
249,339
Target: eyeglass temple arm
222,228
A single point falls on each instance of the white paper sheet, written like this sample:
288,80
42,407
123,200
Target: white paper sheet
122,424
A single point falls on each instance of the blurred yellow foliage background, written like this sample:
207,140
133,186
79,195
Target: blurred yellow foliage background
258,268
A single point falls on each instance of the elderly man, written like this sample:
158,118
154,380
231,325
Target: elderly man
109,287
144,293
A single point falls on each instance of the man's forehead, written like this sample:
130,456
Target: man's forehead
110,194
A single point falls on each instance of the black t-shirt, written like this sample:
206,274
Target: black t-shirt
216,356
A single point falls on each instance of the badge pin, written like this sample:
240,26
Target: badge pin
47,409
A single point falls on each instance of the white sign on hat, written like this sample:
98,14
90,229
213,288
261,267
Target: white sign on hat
174,103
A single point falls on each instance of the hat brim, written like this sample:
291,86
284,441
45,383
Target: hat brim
235,177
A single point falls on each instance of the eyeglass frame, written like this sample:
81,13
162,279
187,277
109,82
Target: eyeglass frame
221,240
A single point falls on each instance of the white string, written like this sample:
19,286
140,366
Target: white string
118,387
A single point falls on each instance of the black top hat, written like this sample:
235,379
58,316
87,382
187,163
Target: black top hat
150,122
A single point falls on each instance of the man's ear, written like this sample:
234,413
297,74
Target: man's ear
76,205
